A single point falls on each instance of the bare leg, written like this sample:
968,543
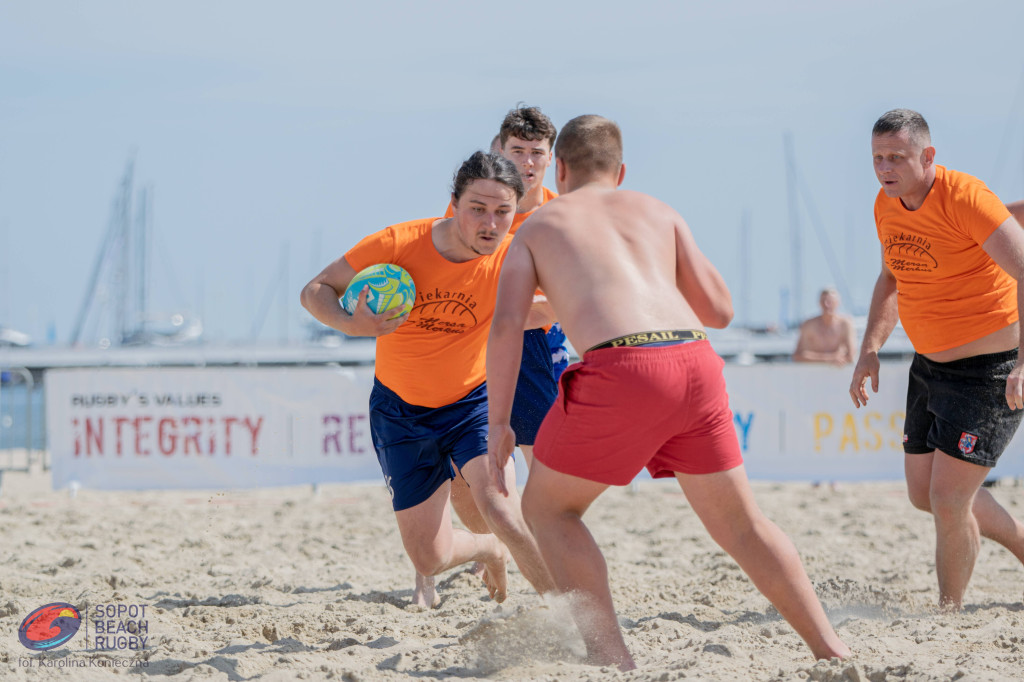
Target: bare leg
994,522
963,512
462,502
465,506
554,504
504,515
527,451
425,594
434,546
726,507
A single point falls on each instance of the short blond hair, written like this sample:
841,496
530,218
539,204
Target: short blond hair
590,145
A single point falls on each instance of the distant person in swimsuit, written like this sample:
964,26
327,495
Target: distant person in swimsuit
428,407
829,337
626,279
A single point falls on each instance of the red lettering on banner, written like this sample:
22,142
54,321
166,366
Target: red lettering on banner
210,441
254,433
119,423
228,421
192,438
333,431
141,435
93,435
167,436
332,437
353,443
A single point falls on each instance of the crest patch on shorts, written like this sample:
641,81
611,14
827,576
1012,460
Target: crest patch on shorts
967,443
905,438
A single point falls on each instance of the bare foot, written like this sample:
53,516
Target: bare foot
833,648
621,660
495,573
425,594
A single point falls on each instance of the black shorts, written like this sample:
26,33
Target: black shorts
960,408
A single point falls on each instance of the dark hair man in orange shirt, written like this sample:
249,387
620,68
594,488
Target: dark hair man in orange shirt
952,261
428,406
526,138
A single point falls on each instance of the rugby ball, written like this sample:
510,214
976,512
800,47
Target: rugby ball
391,288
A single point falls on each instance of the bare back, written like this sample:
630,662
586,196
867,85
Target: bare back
617,262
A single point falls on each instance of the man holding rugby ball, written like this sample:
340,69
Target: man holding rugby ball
428,407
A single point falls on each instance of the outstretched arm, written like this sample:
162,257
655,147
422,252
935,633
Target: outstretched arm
699,280
320,298
1006,248
882,318
505,349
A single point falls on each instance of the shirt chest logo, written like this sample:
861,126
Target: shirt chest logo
449,311
906,252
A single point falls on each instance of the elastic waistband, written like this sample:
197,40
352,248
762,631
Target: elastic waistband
986,360
661,338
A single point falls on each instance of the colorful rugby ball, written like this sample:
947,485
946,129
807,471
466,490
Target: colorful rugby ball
391,288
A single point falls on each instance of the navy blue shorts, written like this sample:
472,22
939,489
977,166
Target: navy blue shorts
535,389
416,445
960,408
559,353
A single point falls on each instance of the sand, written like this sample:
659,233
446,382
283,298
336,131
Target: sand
297,583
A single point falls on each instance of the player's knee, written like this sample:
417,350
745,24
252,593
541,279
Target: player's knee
503,519
532,510
920,497
948,505
427,560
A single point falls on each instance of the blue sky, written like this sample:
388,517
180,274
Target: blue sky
263,129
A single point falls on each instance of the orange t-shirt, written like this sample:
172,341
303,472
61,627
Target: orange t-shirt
520,217
950,292
438,355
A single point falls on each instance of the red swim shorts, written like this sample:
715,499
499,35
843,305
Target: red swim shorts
622,409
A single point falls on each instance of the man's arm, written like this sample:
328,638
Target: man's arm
882,318
699,281
505,349
1006,247
320,298
1017,211
801,354
849,347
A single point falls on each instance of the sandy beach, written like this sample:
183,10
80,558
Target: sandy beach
297,583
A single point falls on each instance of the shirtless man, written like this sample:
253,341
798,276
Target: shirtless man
429,400
829,337
625,277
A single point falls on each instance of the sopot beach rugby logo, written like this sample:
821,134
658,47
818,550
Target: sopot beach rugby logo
49,626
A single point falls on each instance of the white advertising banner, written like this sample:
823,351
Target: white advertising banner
209,428
797,421
113,428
